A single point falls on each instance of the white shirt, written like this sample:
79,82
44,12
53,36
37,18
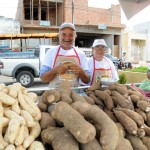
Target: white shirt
51,55
104,63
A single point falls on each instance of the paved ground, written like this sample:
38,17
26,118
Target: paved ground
5,79
10,80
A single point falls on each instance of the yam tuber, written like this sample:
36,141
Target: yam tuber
34,133
21,135
109,131
20,147
134,98
15,107
140,133
46,121
146,141
33,96
1,110
94,86
13,130
97,100
121,101
93,145
24,105
122,89
82,130
126,122
65,92
89,100
110,114
28,118
123,144
10,147
133,115
136,143
3,123
11,114
76,97
143,105
50,96
142,113
42,106
36,145
106,99
33,106
6,99
59,138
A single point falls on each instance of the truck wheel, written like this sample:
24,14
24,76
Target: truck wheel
25,78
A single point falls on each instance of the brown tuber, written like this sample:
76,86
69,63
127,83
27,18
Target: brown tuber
59,138
109,131
82,130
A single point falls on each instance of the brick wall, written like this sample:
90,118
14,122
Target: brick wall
87,15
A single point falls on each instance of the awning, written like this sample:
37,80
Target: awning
26,36
132,7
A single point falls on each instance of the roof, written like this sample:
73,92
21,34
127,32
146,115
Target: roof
26,36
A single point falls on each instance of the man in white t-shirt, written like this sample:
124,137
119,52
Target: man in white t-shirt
65,62
99,65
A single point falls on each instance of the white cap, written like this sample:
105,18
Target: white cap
67,25
99,42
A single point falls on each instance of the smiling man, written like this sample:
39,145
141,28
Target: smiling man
54,67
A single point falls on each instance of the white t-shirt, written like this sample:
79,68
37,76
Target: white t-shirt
51,55
104,63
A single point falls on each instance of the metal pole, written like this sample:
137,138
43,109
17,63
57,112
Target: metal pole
72,11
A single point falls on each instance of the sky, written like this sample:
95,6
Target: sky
8,9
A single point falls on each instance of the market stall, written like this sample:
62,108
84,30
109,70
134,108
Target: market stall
116,117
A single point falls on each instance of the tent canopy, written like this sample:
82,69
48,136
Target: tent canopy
132,7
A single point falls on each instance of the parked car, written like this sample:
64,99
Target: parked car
24,66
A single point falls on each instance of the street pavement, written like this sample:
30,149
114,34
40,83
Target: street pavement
10,80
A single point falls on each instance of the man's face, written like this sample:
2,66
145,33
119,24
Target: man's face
67,38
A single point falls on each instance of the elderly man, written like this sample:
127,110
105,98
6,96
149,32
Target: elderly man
65,62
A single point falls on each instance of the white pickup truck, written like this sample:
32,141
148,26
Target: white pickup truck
24,66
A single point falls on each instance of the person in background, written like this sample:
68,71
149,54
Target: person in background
99,65
125,62
65,62
145,84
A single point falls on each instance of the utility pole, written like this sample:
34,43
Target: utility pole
72,11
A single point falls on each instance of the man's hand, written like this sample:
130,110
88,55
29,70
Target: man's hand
76,69
61,69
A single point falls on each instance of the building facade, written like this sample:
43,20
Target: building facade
136,43
45,16
9,26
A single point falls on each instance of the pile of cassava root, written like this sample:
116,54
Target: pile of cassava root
19,119
111,118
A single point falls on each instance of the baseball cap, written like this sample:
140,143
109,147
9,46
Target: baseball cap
99,42
67,25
